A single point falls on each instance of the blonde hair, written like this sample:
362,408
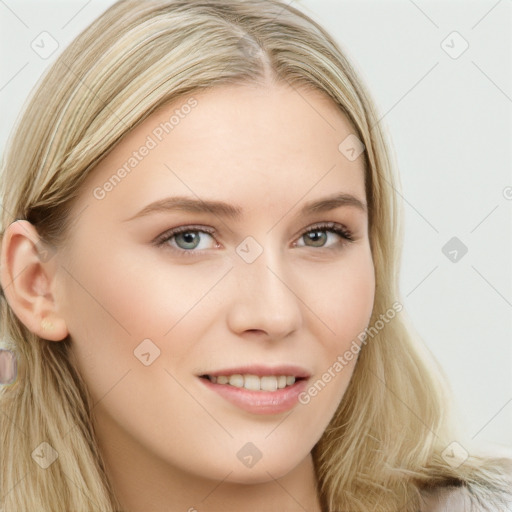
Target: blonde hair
386,441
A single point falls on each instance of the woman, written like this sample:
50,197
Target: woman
199,271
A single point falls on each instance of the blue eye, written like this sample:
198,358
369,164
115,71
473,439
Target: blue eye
317,234
186,239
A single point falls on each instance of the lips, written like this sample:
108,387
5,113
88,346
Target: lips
259,389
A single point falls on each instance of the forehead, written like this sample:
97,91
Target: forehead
250,144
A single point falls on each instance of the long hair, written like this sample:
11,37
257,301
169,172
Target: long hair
388,438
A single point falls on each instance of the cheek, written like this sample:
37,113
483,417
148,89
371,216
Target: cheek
112,302
344,298
344,307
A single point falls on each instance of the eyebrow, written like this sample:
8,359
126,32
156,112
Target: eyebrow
221,209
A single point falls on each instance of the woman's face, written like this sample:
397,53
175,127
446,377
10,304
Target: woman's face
247,293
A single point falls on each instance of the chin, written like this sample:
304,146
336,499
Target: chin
264,470
251,476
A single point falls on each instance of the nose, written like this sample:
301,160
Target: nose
264,298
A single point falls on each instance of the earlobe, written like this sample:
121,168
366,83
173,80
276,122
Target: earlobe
28,276
53,329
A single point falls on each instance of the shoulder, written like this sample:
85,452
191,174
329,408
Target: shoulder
455,499
446,499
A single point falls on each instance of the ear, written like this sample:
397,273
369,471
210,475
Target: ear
28,269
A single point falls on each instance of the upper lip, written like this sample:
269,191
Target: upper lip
262,370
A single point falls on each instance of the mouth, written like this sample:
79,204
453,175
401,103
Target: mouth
258,389
252,382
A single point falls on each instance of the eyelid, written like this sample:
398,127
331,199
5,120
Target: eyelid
340,229
337,227
162,239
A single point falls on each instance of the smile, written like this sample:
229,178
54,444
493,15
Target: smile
254,382
262,395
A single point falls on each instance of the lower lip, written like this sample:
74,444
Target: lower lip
259,402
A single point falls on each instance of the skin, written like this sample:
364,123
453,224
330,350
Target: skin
169,442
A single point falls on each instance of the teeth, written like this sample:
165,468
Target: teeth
268,383
250,382
237,381
255,383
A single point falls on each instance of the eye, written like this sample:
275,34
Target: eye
185,238
317,235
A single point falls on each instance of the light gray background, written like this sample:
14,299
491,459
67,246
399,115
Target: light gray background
450,122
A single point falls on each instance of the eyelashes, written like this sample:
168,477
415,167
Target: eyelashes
332,227
163,240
